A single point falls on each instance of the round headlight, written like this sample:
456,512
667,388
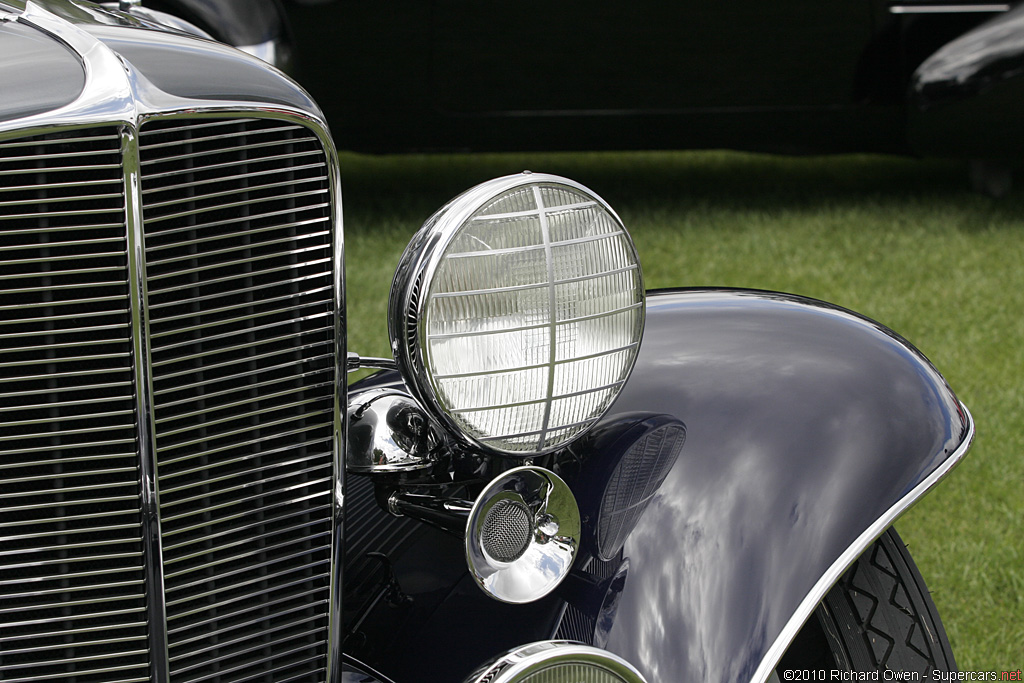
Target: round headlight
516,312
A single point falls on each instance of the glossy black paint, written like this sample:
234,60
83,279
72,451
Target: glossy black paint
28,53
177,64
190,68
353,671
805,423
966,96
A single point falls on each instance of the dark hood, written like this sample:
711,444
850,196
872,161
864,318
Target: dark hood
39,73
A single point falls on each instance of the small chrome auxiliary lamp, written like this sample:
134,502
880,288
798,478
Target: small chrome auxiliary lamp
389,433
521,533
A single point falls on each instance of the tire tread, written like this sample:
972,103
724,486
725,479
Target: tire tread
884,616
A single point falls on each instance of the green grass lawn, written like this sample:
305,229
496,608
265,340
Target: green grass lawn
901,241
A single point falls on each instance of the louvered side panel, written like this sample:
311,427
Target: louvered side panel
239,268
369,531
72,593
575,624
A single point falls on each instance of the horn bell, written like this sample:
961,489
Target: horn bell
522,535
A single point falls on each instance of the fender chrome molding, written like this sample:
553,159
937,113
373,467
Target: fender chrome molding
836,570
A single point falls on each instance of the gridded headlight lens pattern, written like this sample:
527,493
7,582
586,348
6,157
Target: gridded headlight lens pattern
530,312
557,662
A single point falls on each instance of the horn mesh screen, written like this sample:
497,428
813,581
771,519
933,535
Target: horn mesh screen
507,530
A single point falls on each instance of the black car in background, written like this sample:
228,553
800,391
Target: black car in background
921,77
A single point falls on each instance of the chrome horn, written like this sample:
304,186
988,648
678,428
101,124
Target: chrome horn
522,533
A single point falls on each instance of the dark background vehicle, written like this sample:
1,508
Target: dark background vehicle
932,78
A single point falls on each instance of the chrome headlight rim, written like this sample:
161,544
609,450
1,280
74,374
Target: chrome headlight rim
418,267
518,664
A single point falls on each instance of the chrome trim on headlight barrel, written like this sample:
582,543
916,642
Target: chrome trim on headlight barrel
587,663
839,567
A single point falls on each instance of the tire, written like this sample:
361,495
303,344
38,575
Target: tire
878,617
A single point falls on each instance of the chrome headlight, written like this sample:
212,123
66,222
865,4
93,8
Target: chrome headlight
517,311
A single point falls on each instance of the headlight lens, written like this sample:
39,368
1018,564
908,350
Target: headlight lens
518,312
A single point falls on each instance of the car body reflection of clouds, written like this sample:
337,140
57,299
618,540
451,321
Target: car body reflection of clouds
805,424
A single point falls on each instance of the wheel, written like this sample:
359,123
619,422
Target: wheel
878,617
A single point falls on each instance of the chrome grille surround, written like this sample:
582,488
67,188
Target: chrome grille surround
109,394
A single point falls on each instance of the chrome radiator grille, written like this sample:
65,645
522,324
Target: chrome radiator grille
238,319
239,270
72,594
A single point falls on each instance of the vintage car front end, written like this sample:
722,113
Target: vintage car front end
558,477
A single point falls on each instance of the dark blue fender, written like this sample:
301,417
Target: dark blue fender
809,429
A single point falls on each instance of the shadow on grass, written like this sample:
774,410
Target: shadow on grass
410,187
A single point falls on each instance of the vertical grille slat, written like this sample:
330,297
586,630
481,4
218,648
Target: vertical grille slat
240,294
71,558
